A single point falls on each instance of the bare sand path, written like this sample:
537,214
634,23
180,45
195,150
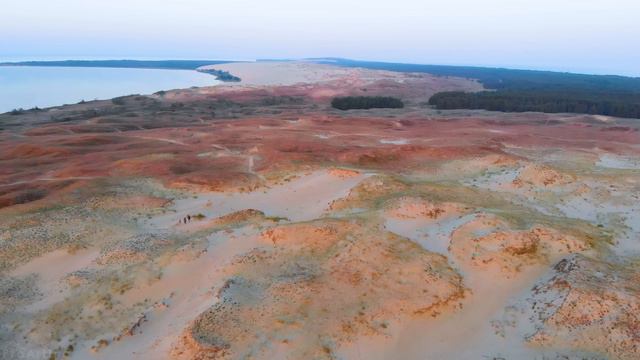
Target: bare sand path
304,198
490,295
50,270
185,290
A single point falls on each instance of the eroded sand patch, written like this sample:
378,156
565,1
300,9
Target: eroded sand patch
315,287
426,223
186,289
50,271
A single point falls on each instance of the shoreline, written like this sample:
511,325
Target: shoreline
30,87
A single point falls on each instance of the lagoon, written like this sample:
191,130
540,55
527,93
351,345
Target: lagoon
30,86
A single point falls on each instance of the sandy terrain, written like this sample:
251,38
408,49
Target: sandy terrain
282,73
274,73
254,221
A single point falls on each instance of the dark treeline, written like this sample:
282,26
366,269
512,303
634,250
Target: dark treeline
508,79
527,90
133,64
366,102
221,75
620,105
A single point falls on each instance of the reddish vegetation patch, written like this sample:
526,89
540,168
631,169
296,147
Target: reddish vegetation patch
416,208
228,153
33,150
541,176
184,124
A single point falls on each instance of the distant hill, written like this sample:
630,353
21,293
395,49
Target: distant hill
525,90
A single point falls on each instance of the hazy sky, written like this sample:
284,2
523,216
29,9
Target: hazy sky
572,35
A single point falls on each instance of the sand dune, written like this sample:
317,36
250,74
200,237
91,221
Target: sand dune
254,221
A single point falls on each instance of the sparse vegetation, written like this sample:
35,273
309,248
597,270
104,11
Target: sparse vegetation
282,100
118,100
181,169
30,196
276,218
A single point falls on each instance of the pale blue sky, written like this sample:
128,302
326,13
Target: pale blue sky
568,35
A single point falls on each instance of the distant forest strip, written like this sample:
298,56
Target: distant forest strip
527,90
131,64
498,78
620,105
366,102
220,75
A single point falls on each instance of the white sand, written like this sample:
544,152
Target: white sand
302,199
281,73
433,236
394,142
612,161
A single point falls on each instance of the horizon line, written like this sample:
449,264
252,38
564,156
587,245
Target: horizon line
505,67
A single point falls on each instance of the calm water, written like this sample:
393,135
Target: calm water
27,87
